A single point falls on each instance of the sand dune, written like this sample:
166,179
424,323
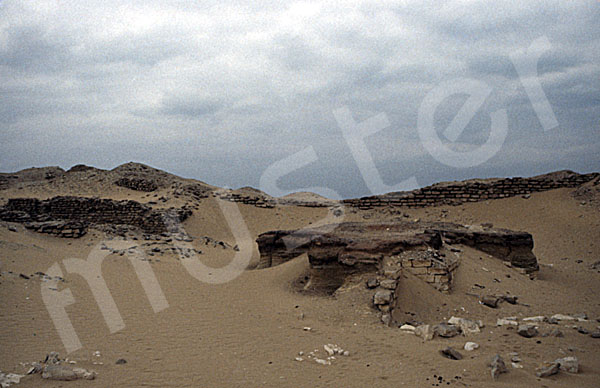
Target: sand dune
250,330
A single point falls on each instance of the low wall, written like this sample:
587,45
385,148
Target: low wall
89,211
456,193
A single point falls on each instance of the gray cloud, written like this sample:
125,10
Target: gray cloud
192,87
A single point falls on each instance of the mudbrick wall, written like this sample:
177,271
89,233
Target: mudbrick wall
473,191
87,211
137,184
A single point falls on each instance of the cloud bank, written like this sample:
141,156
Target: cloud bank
220,91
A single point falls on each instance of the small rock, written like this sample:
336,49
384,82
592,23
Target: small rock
382,297
388,284
408,328
9,378
306,328
527,331
490,301
451,353
426,332
506,321
52,358
329,350
470,346
510,299
516,365
466,326
121,361
538,318
582,330
514,357
445,330
386,319
498,366
65,373
556,333
547,369
568,364
372,283
595,334
562,317
580,317
299,359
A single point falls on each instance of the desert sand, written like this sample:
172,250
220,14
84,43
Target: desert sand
249,332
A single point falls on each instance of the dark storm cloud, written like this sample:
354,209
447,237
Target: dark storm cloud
181,85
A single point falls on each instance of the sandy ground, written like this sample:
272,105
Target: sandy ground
247,332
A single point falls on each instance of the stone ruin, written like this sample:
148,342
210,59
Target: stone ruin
68,216
137,184
338,251
474,190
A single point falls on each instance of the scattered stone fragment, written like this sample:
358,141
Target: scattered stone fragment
498,366
527,331
582,330
539,318
426,332
595,334
445,330
382,297
66,373
52,358
489,300
451,353
516,365
514,357
408,328
372,283
388,284
470,346
9,378
322,361
562,317
36,367
568,364
580,317
306,328
329,350
386,319
510,299
507,321
547,369
299,359
121,361
556,333
466,326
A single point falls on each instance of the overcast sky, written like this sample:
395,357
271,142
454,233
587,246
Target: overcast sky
225,91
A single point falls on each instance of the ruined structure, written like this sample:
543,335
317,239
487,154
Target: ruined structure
475,190
68,216
340,250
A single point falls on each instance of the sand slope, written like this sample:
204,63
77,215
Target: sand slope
248,331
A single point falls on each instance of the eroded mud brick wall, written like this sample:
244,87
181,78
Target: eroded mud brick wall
88,210
473,191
